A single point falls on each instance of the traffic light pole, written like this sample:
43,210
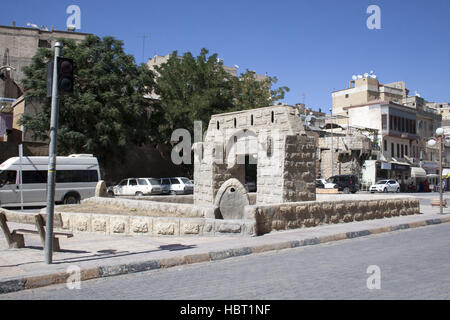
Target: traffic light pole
52,160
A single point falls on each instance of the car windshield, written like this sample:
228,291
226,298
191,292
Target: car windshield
185,180
382,182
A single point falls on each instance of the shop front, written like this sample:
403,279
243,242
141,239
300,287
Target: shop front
399,171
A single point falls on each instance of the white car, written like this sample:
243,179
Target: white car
385,186
326,184
178,185
132,187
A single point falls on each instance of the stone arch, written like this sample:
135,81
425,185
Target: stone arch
231,199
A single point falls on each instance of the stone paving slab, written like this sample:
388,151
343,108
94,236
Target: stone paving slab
102,256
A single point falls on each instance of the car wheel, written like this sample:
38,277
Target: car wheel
346,190
398,190
385,190
71,198
139,194
111,194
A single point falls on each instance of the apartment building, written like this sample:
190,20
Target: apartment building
401,126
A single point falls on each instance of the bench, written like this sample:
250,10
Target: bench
437,203
15,239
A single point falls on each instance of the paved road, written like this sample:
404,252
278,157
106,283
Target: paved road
414,264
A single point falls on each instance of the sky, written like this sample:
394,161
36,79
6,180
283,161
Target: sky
311,46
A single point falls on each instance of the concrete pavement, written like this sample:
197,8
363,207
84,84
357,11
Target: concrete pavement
99,256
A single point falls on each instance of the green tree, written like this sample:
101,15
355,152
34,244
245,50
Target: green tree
250,92
107,111
194,88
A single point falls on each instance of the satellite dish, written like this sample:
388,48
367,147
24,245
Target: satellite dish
374,76
371,71
354,77
360,76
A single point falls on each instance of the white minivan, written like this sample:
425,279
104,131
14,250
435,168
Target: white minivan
76,179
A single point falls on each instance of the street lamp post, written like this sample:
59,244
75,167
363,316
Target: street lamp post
332,144
431,143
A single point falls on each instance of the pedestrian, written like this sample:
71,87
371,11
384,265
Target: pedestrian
443,185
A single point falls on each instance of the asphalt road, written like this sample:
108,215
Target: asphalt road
412,264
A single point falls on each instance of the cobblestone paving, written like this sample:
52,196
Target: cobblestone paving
414,264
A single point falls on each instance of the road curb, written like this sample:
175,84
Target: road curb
39,281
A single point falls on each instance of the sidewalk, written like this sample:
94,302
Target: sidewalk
102,256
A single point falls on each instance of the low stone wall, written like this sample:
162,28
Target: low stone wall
310,214
189,199
154,206
154,226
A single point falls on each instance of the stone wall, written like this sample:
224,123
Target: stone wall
153,226
287,216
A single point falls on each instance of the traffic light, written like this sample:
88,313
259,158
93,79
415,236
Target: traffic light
65,76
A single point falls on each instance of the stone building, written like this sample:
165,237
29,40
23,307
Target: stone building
272,139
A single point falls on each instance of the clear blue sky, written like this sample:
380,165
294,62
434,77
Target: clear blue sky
313,47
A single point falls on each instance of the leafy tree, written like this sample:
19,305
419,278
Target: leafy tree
194,88
107,111
250,92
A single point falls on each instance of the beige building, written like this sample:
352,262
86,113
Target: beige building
403,125
18,45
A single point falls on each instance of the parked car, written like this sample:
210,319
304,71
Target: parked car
131,187
385,186
157,188
345,183
250,185
178,185
323,183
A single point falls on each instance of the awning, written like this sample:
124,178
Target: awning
418,172
445,173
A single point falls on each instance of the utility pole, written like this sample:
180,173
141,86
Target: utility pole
52,159
332,144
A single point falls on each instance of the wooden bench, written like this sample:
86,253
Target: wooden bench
437,203
15,238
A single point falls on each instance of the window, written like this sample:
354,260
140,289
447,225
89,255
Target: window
235,122
123,183
406,150
392,150
390,123
384,122
44,43
385,145
154,182
403,151
8,177
273,117
174,181
251,120
133,182
346,96
142,182
398,150
30,177
218,125
165,181
66,176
